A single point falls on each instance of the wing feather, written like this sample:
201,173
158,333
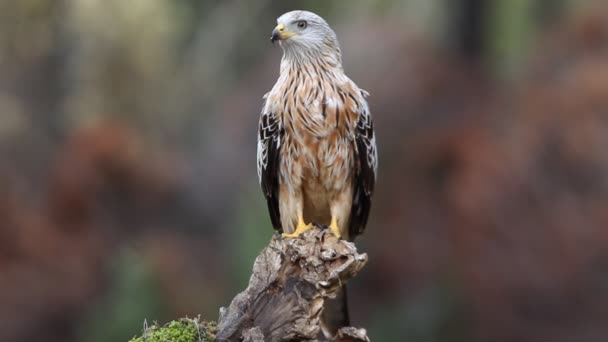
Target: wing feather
366,159
268,156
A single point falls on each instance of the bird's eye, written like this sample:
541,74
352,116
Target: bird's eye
302,24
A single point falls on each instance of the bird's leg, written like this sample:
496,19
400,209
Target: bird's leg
333,227
298,205
301,228
340,208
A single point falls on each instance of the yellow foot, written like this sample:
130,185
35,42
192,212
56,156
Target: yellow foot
333,227
301,228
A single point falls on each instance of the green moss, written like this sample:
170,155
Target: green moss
183,330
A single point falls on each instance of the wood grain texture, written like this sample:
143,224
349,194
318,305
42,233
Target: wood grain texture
291,280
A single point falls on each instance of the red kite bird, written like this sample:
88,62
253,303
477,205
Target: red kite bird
316,153
317,156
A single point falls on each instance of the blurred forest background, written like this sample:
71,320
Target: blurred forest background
128,187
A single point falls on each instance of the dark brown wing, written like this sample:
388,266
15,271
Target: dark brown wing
268,156
366,159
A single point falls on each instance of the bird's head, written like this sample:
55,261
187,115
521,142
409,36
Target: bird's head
304,33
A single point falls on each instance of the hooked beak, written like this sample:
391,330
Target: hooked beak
279,33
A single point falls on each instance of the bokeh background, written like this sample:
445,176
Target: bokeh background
128,188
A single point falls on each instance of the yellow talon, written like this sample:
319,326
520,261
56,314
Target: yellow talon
333,227
301,228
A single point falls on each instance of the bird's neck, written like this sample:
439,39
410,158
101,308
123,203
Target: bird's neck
319,64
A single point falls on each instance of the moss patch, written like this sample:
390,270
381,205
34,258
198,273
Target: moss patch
183,330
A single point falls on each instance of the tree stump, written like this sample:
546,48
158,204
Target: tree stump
292,278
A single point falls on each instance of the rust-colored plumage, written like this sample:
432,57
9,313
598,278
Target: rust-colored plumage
316,146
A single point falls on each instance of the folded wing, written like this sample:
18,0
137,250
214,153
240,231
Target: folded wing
269,142
366,164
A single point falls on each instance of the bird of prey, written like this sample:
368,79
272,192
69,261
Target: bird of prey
316,151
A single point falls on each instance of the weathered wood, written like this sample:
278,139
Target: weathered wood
291,280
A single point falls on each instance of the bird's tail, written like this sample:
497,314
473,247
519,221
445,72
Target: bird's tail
335,314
